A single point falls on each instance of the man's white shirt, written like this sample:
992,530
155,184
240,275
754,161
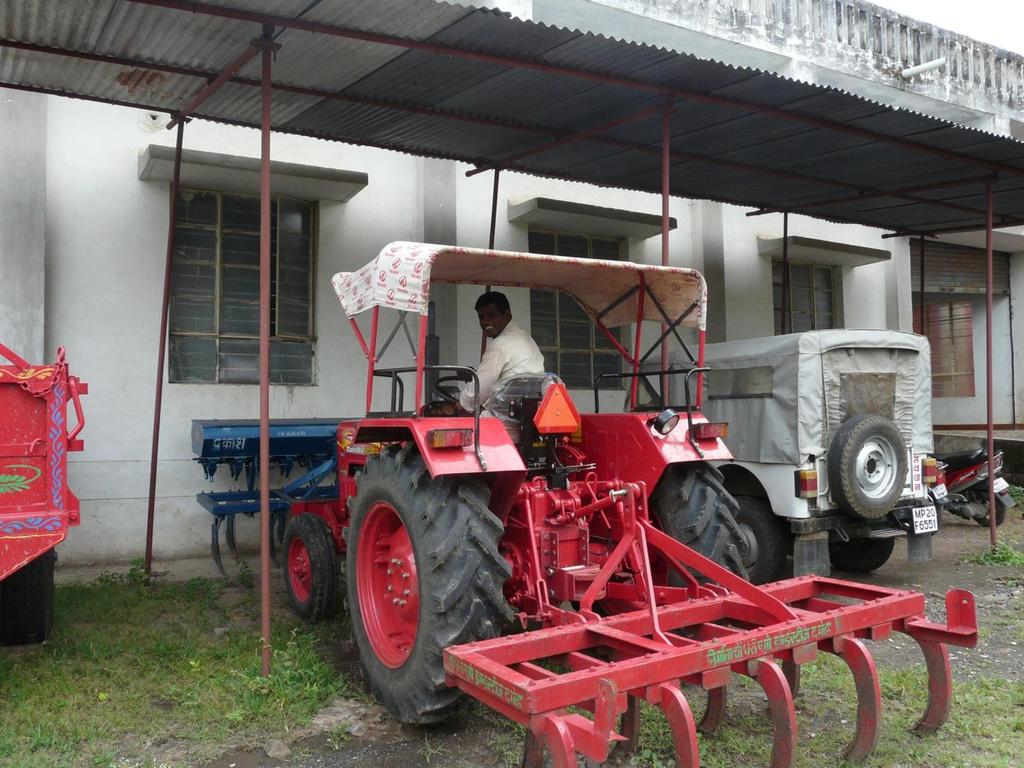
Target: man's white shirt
513,352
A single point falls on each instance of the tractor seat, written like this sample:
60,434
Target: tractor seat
963,458
507,400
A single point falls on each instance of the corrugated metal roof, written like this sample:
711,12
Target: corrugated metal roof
738,135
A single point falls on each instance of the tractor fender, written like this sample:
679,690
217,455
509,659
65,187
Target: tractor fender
623,445
497,448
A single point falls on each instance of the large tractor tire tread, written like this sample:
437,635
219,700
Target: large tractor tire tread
692,506
310,567
764,553
26,602
461,577
847,489
861,555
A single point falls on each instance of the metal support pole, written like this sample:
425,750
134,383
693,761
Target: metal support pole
920,296
264,466
665,192
787,324
990,431
490,244
162,353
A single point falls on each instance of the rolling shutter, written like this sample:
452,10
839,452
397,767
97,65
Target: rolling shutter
957,269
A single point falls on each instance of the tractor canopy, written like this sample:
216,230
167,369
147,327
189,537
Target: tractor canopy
399,278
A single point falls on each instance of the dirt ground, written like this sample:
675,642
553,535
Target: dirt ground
359,734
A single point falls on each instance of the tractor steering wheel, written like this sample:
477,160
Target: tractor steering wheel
446,387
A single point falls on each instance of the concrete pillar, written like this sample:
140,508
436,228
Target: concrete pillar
899,292
714,269
23,223
1016,323
440,226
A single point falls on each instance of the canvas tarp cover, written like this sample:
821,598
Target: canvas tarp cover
784,396
399,278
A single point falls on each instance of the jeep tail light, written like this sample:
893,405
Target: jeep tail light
929,470
449,438
807,483
711,430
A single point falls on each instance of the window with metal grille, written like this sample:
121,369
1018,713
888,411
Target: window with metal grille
215,284
949,329
812,297
572,346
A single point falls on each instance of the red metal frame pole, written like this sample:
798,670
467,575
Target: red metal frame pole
920,298
490,243
371,358
666,159
267,50
990,431
420,361
641,297
787,324
162,353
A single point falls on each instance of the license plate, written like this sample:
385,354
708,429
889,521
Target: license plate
1000,485
939,491
925,520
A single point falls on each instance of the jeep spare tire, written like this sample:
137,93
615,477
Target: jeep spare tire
867,466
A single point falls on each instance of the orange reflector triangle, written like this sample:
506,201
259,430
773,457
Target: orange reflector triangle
556,414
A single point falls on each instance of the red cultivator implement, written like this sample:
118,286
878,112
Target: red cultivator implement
36,505
610,532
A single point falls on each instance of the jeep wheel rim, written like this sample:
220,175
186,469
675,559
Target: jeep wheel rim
876,466
387,585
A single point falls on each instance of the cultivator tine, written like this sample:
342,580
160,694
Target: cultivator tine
229,536
630,727
869,694
560,744
940,686
780,705
714,711
215,544
669,698
792,672
533,751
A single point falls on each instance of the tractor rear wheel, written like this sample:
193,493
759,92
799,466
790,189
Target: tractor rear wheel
861,555
26,602
423,573
692,506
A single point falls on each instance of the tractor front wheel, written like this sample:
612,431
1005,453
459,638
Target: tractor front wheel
766,540
423,573
692,506
310,568
26,602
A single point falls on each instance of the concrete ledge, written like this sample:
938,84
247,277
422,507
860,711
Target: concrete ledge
564,216
232,173
808,250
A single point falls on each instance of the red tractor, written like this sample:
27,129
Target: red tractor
607,536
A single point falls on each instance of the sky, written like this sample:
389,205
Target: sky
998,22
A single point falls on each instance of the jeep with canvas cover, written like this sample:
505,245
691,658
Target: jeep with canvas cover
832,436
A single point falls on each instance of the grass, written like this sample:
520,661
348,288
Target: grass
1003,553
140,674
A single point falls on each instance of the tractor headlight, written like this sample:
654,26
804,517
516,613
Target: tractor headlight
664,422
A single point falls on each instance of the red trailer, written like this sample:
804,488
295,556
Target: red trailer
36,505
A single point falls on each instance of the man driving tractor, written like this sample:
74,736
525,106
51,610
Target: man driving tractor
510,350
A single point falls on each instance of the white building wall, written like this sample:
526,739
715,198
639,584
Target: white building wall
23,225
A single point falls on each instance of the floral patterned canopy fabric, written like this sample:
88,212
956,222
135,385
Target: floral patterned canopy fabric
399,278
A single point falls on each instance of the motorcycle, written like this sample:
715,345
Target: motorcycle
962,486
